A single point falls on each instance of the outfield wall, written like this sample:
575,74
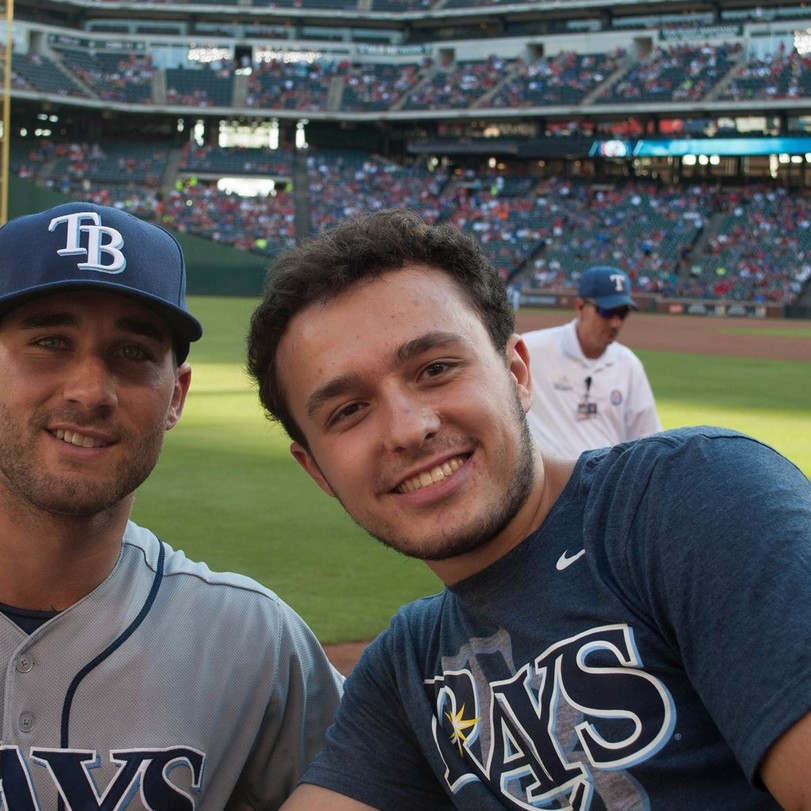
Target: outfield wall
564,300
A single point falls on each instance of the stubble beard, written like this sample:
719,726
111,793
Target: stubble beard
70,495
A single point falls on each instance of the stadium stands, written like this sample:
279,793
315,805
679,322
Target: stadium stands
463,85
482,113
111,76
677,73
203,87
778,76
699,242
566,78
378,87
302,85
216,162
42,74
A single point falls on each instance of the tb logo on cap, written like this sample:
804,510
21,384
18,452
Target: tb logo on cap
76,226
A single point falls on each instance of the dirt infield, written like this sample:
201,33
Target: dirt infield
697,335
701,335
345,656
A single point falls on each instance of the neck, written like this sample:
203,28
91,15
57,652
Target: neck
52,561
588,349
551,477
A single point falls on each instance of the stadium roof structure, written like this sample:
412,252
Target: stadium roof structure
415,17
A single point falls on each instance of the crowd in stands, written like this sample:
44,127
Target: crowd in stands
112,76
676,73
116,168
777,76
566,78
346,182
459,86
301,85
761,250
668,74
376,87
225,161
642,228
211,86
699,241
261,224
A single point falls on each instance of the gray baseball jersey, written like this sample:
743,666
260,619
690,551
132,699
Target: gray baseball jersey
168,686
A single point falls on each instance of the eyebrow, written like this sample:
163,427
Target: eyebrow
334,388
38,320
425,343
135,326
402,354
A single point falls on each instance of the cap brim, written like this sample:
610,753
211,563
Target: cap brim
612,302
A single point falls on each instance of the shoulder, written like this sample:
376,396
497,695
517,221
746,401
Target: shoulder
699,462
676,443
544,337
197,585
192,607
177,564
620,353
668,503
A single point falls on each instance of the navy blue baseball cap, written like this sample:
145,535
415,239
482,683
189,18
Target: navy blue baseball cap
608,287
87,246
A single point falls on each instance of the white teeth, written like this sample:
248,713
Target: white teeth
72,438
427,478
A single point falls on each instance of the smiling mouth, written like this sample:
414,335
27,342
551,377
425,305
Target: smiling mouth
433,476
79,440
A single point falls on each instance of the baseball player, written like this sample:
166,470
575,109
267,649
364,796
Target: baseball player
134,678
588,390
628,629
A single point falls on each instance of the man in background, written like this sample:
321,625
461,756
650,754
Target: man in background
588,390
134,677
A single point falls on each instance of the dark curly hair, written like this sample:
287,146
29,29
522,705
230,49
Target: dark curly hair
322,267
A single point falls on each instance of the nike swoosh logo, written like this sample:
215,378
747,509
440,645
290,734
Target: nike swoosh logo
566,560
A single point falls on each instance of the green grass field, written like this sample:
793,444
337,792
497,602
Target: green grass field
228,492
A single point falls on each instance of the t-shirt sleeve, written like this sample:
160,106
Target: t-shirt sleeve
305,692
371,753
719,550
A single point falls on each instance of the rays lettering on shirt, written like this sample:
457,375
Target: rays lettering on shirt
141,773
546,733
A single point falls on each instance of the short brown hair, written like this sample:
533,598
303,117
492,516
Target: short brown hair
322,267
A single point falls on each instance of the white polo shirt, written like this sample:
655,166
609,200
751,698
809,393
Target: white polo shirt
580,403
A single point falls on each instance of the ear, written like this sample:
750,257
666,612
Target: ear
181,389
519,368
305,459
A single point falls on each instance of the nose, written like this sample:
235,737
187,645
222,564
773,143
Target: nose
408,421
90,382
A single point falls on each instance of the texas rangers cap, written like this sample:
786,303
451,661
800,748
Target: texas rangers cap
608,287
83,245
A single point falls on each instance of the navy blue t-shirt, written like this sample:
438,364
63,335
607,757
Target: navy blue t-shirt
642,649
